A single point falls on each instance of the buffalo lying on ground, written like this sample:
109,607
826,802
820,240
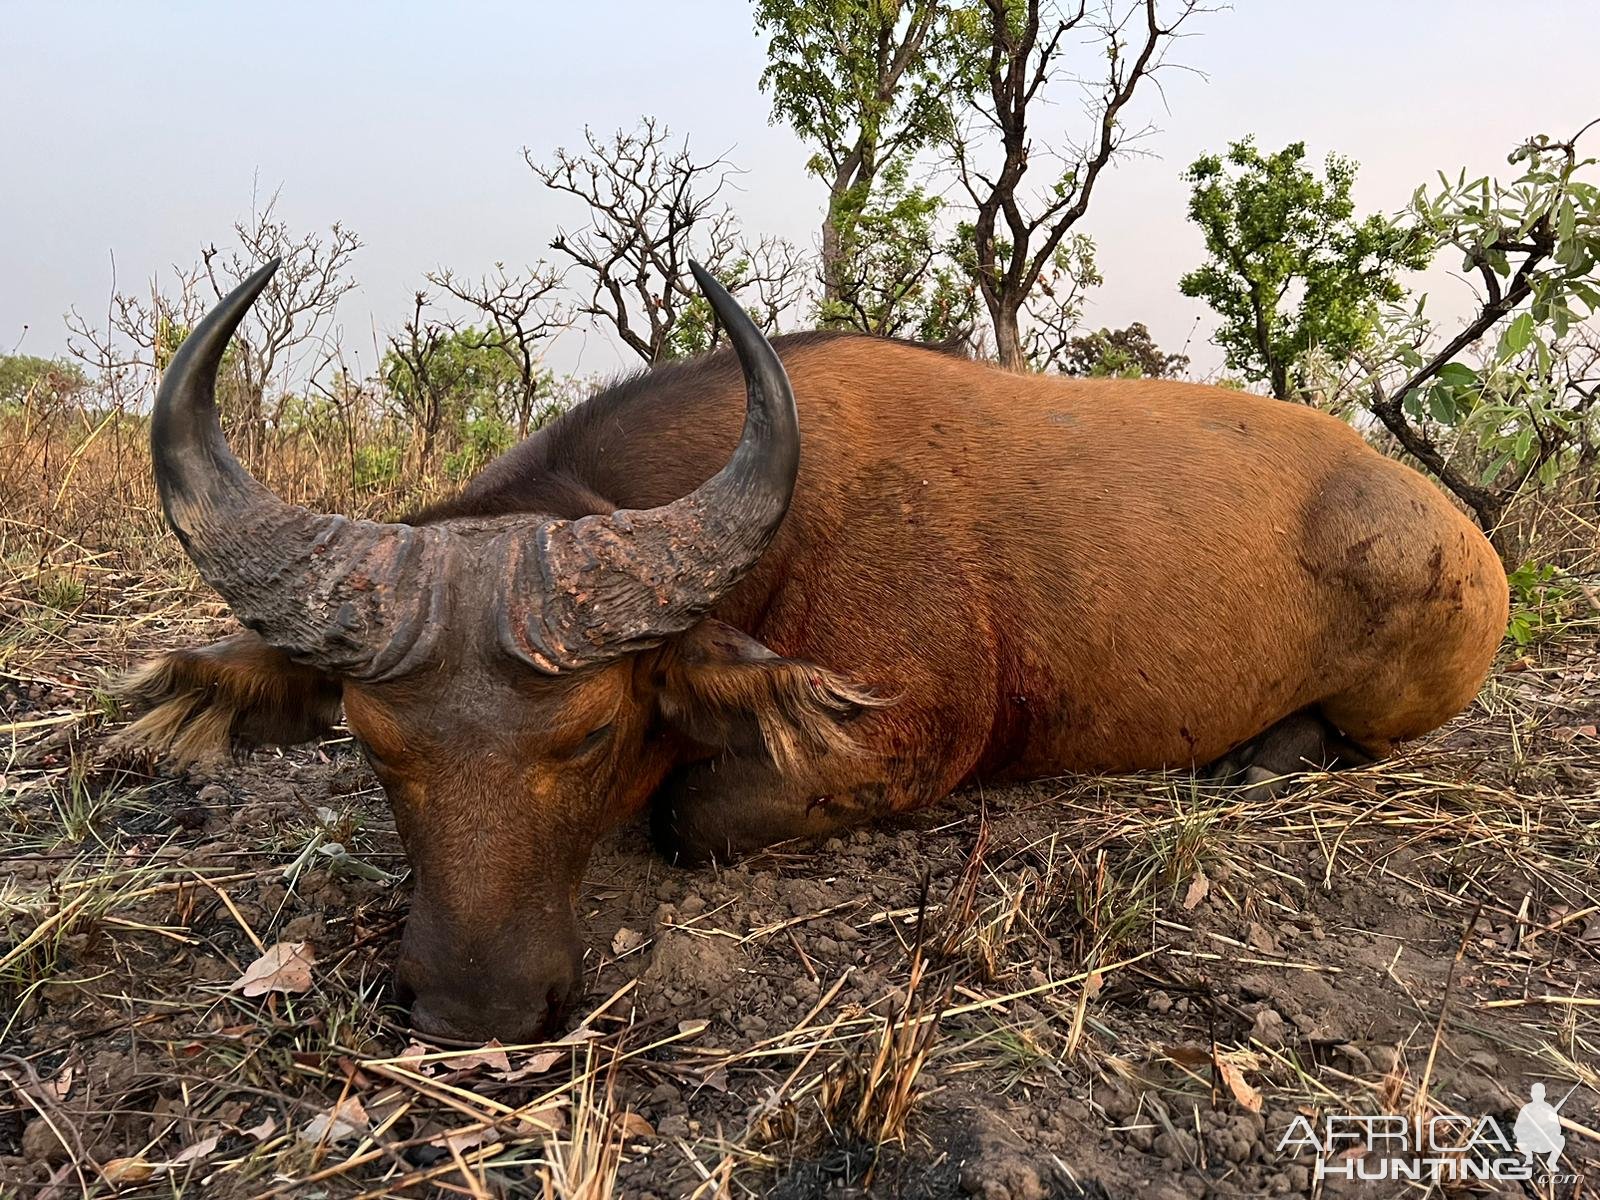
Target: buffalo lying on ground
934,572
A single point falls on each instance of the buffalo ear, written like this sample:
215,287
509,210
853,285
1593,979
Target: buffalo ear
225,698
725,689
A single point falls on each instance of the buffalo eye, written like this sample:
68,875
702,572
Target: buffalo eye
592,740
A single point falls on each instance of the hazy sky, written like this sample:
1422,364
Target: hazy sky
137,129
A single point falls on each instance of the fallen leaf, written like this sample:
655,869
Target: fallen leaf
127,1170
465,1139
543,1060
1187,1056
195,1152
1199,887
634,1126
1246,1095
537,1064
626,939
411,1057
345,1120
716,1079
490,1056
263,1131
552,1118
693,1028
285,967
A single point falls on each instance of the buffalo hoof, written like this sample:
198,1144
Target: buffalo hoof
1271,763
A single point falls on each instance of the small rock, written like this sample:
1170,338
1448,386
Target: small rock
1176,1146
1159,1002
1360,1064
40,1144
626,939
1261,938
1270,1029
1385,1058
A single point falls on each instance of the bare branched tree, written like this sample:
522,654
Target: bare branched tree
1056,303
293,314
138,335
523,312
412,378
771,278
1015,237
651,208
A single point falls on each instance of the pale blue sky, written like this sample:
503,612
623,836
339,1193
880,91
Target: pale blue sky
138,128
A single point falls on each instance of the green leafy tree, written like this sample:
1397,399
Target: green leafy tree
866,83
1129,353
1526,408
897,276
1291,267
24,376
458,388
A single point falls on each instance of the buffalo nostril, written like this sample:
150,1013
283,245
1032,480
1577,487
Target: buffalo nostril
440,1029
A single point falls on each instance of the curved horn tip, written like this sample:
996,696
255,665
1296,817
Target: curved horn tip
189,453
709,283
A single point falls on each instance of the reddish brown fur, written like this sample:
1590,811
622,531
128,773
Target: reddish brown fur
1042,574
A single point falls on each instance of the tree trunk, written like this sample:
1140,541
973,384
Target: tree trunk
832,245
1280,379
856,171
1008,336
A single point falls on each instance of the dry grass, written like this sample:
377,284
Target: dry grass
1022,961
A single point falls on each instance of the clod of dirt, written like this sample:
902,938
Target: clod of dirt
40,1143
999,1167
1270,1029
682,962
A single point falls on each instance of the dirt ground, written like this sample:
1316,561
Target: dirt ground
1078,988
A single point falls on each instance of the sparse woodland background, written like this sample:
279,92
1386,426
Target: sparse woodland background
943,219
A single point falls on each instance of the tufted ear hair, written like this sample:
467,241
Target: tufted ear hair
725,689
226,698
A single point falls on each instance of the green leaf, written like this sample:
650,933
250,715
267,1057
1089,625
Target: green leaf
1516,337
1441,403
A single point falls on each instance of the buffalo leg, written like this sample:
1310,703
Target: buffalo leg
721,808
1267,764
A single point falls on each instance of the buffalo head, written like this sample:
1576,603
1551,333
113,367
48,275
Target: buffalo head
516,681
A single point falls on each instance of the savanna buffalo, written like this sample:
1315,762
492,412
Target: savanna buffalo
926,572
